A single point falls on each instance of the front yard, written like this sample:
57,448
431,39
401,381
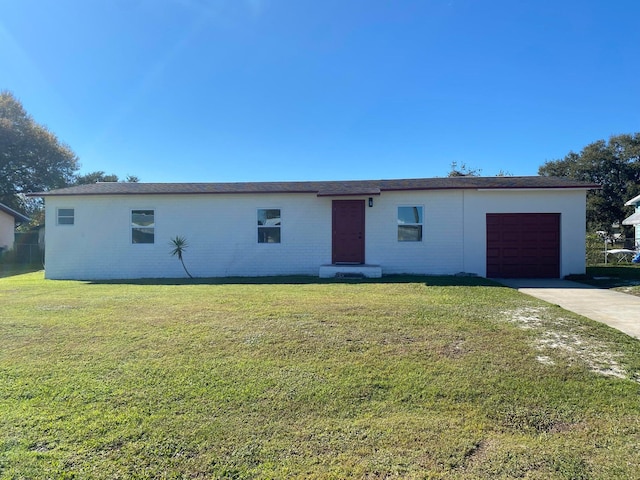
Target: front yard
419,377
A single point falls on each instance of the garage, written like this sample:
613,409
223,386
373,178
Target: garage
523,245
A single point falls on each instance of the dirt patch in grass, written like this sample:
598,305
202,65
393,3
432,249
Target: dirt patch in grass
557,336
456,349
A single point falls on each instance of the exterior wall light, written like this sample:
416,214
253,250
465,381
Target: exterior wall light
371,201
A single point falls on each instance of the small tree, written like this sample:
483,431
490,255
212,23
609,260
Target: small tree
463,171
179,245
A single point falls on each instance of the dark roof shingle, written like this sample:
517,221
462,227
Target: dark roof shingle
321,188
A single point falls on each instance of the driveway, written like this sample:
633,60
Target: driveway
618,310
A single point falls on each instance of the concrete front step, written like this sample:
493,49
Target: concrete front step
350,271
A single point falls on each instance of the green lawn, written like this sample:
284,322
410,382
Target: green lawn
298,378
621,277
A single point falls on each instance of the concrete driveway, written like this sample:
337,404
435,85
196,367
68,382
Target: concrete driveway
618,310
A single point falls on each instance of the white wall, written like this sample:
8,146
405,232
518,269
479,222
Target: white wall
222,233
7,231
570,204
440,251
454,238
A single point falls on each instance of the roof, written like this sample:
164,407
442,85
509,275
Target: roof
322,188
633,201
17,215
633,219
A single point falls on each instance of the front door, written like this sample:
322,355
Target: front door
348,231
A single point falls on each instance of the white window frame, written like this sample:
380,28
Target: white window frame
132,227
72,216
279,226
416,224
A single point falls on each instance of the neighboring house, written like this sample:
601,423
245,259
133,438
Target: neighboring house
8,220
495,227
634,219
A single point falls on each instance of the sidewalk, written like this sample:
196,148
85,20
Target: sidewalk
618,310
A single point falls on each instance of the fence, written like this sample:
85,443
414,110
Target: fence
26,250
597,245
28,253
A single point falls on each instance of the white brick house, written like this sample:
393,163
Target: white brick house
498,226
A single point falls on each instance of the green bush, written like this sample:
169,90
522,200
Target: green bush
595,249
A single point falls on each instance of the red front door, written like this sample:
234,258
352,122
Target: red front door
348,231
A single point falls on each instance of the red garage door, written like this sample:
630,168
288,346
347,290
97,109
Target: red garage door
523,245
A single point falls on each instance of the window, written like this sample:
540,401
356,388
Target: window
269,225
410,224
142,226
66,216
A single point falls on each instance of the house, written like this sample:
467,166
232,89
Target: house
487,226
634,219
8,220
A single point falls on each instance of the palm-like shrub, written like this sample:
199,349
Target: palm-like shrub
179,245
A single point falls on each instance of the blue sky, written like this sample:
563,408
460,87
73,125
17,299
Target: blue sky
268,90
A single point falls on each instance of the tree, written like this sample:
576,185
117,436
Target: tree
615,165
463,171
100,176
94,177
31,157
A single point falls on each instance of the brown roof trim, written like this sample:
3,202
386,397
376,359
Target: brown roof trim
321,188
348,192
17,215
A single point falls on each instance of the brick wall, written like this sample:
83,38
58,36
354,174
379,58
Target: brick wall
221,231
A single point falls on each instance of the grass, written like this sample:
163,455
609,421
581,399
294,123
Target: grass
9,269
621,277
299,378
